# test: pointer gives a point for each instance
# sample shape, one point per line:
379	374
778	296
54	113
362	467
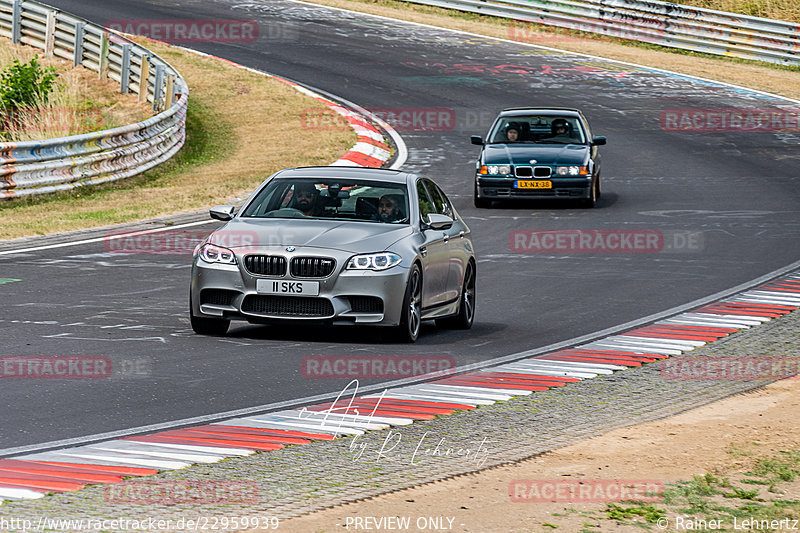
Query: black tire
594	194
480	203
466	305
599	188
411	319
216	327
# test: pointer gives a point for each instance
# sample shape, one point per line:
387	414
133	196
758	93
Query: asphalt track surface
734	193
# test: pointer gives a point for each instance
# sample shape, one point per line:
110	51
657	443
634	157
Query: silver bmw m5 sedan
339	245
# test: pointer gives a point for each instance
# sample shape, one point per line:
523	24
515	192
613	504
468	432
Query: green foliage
705	484
649	512
742	494
26	85
784	468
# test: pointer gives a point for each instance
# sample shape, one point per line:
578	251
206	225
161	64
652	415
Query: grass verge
773	9
80	101
240	128
755	493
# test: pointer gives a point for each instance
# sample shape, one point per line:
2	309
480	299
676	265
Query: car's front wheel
208	326
466	306
480	203
411	320
594	194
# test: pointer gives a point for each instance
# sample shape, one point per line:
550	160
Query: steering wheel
286	212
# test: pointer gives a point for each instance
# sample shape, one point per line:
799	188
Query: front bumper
499	188
345	296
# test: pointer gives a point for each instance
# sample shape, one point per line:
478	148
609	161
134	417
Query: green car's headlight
499	169
572	170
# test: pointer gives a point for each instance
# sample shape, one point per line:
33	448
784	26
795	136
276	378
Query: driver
388	211
305	198
560	128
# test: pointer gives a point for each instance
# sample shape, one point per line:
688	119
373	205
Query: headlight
572	171
217	254
499	169
380	261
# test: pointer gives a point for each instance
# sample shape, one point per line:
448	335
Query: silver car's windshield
542	129
331	198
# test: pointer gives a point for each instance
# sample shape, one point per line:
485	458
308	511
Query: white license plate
294	288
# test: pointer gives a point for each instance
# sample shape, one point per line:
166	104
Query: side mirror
439	222
222	212
477	139
599	141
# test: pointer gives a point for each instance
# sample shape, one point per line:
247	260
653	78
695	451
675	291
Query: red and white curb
370	149
67	469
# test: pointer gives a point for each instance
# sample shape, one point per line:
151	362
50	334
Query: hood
544	154
347	236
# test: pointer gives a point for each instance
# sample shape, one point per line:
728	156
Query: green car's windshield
331	198
544	129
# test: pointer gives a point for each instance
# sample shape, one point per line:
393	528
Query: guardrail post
170	92
104	55
157	89
50	34
16	21
125	72
77	55
144	79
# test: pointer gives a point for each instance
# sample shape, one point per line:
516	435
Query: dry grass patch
756	75
241	127
773	9
79	103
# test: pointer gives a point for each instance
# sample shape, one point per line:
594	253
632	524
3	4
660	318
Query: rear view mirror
477	139
599	141
439	222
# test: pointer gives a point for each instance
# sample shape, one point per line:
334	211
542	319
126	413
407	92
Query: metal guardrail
37	167
652	21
